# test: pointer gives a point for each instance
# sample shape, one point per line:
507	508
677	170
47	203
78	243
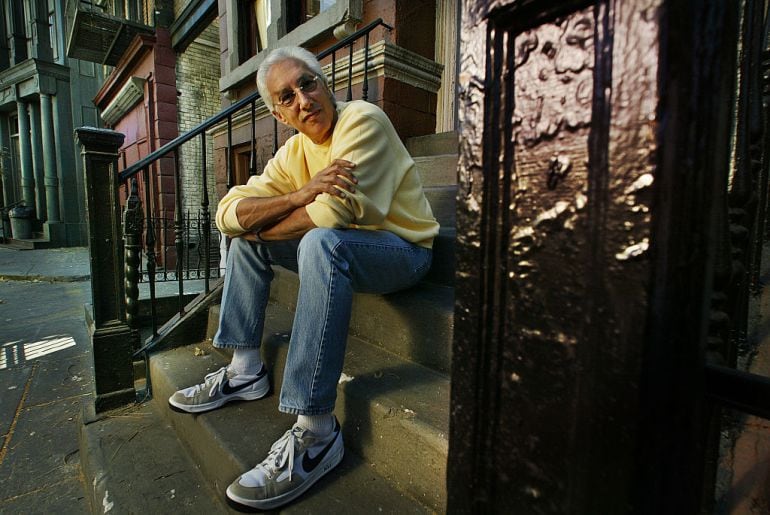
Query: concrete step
442	270
415	324
433	144
133	462
440	170
442	201
394	415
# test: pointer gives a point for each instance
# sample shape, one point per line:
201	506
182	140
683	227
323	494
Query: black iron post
110	334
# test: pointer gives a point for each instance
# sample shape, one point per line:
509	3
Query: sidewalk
52	265
46	378
45	375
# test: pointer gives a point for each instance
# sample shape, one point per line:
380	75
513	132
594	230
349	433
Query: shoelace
282	452
215	377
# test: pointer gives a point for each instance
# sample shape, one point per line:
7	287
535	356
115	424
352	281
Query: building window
300	12
52	29
254	20
134	10
256	25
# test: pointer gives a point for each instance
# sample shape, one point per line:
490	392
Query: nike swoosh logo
308	463
227	389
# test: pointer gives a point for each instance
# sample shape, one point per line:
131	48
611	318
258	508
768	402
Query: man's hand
335	179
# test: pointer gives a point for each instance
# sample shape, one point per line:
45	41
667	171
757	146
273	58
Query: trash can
21	222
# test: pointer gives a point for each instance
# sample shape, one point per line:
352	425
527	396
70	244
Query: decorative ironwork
133	226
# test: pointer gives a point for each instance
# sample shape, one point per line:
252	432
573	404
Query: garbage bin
21	222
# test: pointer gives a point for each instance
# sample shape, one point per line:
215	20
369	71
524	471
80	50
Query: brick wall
197	72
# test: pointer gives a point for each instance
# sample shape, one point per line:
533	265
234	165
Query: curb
46	278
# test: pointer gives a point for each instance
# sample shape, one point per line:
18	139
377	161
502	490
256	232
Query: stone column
25	149
447	17
111	339
5	163
49	158
37	160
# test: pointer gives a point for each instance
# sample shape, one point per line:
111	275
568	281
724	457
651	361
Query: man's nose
304	99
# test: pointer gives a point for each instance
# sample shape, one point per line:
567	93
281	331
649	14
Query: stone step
433	144
415	324
394	414
442	201
442	270
440	170
133	462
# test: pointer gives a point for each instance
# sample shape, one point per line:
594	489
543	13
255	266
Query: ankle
320	425
245	362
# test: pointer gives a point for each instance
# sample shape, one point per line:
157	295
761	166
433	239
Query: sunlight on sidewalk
19	352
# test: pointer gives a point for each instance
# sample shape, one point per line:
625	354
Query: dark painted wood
609	184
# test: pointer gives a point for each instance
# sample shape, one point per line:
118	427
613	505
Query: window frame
324	23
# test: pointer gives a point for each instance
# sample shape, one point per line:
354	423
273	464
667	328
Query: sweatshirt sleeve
367	138
275	180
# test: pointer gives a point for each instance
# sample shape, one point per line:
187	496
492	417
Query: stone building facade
44	95
197	73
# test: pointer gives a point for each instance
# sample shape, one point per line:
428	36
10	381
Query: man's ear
279	117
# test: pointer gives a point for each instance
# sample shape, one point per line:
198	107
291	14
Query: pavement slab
64	498
45	373
13	382
43	449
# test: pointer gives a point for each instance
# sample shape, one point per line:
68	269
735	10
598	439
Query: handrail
226	113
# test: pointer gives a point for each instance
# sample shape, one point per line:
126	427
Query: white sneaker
295	462
218	388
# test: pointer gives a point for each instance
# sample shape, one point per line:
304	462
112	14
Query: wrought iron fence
196	245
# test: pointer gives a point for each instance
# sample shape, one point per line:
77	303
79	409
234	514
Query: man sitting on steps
342	204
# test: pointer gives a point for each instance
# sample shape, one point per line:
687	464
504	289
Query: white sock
320	425
246	362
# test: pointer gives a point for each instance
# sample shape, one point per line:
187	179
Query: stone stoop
435	157
393	396
133	461
394	414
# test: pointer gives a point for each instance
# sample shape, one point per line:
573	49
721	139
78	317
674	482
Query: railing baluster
275	136
132	234
334	70
178	229
230	178
186	244
206	217
253	158
164	238
366	67
349	96
149	243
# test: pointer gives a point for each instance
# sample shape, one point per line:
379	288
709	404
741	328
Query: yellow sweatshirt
388	196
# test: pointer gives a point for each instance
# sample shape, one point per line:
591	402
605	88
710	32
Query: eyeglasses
305	85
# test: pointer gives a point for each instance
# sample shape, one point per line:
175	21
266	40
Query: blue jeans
332	264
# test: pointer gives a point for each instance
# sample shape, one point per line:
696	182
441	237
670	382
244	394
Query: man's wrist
258	236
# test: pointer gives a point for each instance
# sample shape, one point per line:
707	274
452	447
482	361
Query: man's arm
291	227
284	217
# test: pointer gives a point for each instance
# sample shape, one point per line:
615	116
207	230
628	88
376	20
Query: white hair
281	54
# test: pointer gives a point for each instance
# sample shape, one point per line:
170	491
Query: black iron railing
196	258
146	231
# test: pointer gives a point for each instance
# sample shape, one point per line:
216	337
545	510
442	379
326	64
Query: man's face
312	112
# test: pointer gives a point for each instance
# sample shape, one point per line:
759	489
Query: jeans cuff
226	345
300	411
